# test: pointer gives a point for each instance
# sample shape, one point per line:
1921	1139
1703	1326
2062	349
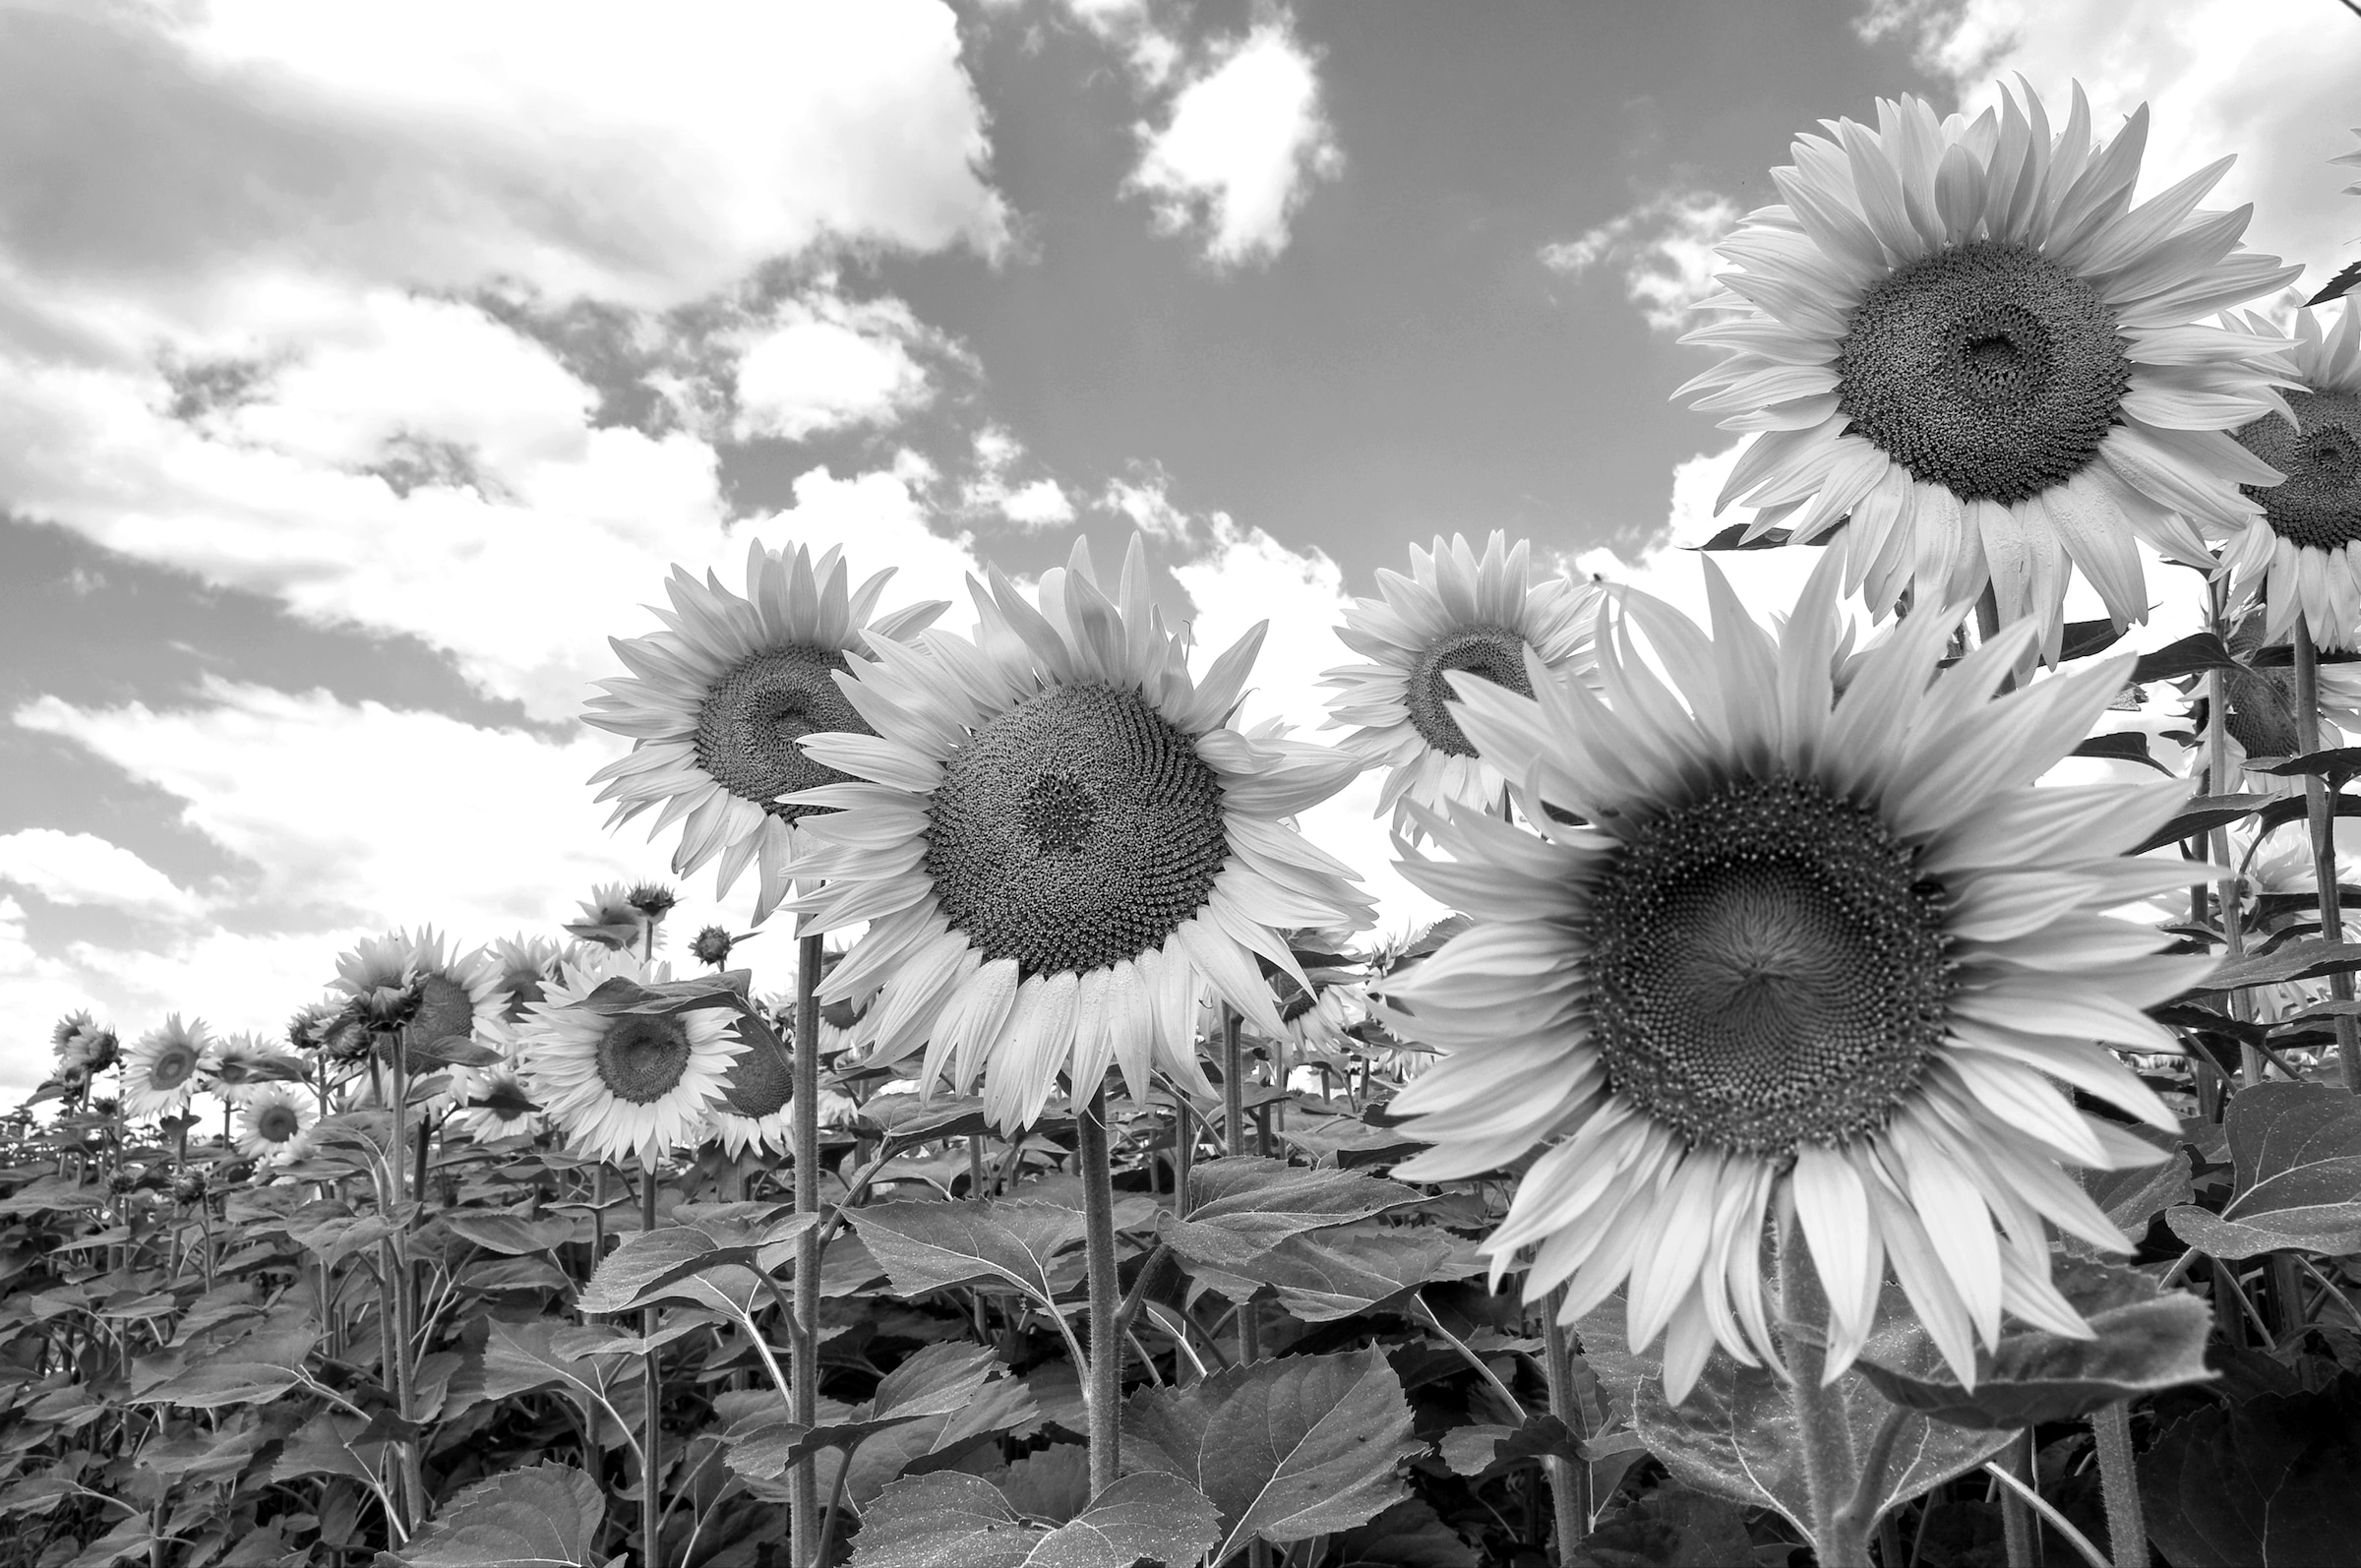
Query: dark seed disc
1985	368
754	715
1494	652
2319	507
642	1057
1073	830
1767	968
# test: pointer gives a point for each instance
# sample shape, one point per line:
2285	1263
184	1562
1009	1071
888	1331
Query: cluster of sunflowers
1763	939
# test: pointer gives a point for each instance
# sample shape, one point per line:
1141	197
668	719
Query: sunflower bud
712	945
189	1186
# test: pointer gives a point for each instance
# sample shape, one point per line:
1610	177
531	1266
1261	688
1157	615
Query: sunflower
521	966
2261	717
2301	554
497	1105
159	1072
380	979
237	1067
1828	951
610	919
1059	840
634	1084
1964	339
276	1125
83	1045
1453	612
717	701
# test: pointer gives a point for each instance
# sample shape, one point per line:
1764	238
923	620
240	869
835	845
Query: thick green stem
1569	1479
2021	1532
1831	1470
2127	1532
401	1286
2323	846
1104	1377
804	1332
652	1387
1234	1116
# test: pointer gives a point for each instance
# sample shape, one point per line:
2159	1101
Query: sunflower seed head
2318	506
1494	653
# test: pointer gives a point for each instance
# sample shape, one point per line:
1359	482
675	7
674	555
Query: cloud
166	166
83	869
993	493
1243	141
825	363
1663	250
2271	84
1143	495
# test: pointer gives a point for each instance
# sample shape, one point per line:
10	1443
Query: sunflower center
172	1067
754	715
761	1081
642	1057
1768	970
2320	505
1494	653
1075	829
1985	368
276	1123
444	1009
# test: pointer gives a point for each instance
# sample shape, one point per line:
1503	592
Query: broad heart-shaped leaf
939	1380
1287	1449
1672	1527
622	994
1243	1206
932	1245
2305	958
545	1517
510	1234
659	1265
549	1353
2143	1341
210	1385
1327	1275
451	1050
1735	1435
2295	1149
958	1521
2131	1198
2267	1483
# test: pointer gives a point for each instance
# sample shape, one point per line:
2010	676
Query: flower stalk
803	1343
1103	1378
2323	845
2119	1483
1569	1480
652	1391
1830	1468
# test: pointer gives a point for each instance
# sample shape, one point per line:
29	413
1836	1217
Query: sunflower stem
2021	1532
396	1284
1233	1088
2119	1481
1830	1468
652	1388
2220	782
1987	625
1104	1377
1569	1480
2323	846
804	1332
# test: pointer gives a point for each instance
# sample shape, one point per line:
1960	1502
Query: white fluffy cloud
1242	144
2271	84
995	492
83	869
1663	250
826	363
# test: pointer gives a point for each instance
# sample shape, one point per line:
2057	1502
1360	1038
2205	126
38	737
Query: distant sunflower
1837	953
159	1072
632	1087
497	1105
83	1045
521	967
752	1114
276	1126
1453	612
2303	555
1963	341
380	977
609	920
1058	841
235	1067
717	701
2261	717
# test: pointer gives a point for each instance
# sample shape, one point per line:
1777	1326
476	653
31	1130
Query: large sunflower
630	1086
1059	840
159	1071
1831	950
1962	337
2304	553
717	701
1453	612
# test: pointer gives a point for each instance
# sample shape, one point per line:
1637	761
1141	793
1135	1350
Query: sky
364	368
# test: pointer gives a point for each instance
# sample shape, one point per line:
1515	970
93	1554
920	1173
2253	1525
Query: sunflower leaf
2307	958
619	994
1324	1275
453	1050
2128	746
545	1517
2295	1149
1735	1435
510	1234
2143	1342
2200	816
664	1265
2337	288
2192	654
2267	1483
1241	1207
1286	1449
930	1245
2335	764
959	1521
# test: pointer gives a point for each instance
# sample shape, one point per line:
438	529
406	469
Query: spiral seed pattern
1985	368
640	1058
1494	653
754	715
2319	507
1075	829
1768	968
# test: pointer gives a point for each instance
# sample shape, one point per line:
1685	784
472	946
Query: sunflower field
1813	1139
